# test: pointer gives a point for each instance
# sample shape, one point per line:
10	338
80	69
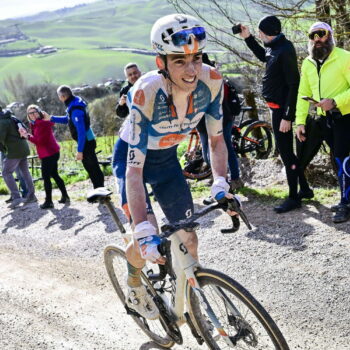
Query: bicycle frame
185	268
185	271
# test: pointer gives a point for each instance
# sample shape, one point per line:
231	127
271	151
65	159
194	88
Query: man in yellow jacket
325	77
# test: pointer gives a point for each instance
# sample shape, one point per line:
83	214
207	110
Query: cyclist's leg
135	262
163	171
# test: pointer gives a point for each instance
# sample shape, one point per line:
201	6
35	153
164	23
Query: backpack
231	102
71	125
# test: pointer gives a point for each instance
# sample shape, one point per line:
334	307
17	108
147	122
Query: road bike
250	139
218	310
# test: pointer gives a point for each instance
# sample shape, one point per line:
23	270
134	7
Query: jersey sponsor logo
135	157
214	74
139	97
188	213
170	140
183	248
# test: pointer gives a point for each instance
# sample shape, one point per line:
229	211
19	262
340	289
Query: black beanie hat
270	25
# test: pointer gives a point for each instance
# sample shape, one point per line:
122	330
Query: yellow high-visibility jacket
333	81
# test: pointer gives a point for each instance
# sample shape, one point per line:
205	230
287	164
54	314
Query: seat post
107	202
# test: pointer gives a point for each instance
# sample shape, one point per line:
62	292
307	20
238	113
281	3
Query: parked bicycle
250	138
217	309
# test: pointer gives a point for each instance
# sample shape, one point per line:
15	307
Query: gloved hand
220	185
146	235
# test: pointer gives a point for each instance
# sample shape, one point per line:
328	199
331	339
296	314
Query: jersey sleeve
214	114
140	122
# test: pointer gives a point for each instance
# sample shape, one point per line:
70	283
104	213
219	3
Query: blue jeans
232	157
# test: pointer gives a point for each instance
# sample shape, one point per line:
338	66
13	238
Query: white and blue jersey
154	125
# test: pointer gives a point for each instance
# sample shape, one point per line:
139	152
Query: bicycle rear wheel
256	141
243	318
116	265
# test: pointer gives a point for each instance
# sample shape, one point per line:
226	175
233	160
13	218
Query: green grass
72	66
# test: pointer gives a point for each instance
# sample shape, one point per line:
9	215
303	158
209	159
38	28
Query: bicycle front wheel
116	265
243	318
256	141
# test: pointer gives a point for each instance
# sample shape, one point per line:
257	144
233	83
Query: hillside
82	37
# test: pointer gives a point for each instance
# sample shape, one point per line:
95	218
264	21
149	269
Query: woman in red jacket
48	151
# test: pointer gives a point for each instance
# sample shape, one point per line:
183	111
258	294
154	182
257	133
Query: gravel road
55	293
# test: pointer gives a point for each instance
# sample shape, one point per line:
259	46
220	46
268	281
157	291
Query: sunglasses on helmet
182	37
318	34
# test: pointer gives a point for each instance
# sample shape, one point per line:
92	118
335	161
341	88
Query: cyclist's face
132	74
184	70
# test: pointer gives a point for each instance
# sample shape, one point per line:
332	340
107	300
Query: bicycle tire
118	280
193	168
256	330
253	146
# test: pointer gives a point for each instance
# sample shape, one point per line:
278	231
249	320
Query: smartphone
236	29
309	99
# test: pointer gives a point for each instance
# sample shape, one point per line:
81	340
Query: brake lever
233	205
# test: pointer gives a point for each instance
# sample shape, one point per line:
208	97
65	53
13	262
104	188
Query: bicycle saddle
97	194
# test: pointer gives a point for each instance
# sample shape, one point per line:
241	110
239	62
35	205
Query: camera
236	29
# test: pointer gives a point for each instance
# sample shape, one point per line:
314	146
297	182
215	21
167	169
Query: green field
80	36
73	66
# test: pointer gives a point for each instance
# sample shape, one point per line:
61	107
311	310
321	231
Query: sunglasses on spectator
317	34
182	37
32	112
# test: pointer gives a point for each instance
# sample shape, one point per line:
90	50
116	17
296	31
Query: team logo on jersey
170	140
139	97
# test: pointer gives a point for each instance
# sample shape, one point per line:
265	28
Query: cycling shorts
163	172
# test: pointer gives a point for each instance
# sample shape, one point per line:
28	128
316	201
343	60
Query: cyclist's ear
160	63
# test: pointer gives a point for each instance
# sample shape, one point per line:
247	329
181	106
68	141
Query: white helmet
178	34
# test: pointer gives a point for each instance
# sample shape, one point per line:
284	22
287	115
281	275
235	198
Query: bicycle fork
186	269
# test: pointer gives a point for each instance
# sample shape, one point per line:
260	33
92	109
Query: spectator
16	150
48	151
326	78
132	73
78	120
280	88
23	187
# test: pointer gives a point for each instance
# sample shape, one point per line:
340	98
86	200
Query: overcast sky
20	8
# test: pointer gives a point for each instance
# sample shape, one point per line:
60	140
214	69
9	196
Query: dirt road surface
55	293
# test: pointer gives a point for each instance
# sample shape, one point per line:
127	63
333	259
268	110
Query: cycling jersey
156	126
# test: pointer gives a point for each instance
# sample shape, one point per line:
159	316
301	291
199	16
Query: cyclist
166	105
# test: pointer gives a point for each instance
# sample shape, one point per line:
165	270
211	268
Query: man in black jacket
132	73
279	89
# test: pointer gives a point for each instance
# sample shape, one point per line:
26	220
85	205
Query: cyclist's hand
300	132
220	185
285	125
148	240
227	201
